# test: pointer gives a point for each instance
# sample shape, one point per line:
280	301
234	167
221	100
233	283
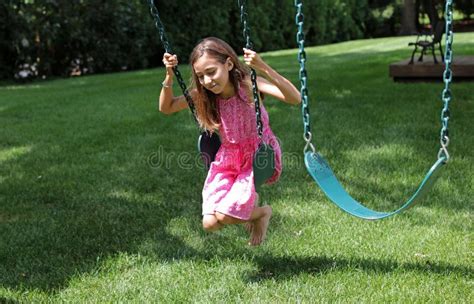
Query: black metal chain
167	46
253	74
447	77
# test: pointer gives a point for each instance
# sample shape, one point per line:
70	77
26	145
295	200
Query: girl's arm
273	83
168	103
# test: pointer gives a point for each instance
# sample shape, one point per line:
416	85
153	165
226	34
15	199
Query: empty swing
319	168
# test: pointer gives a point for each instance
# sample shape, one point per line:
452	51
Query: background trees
43	38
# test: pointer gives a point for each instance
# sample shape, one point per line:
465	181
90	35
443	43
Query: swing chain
244	21
253	75
303	75
307	137
167	46
447	77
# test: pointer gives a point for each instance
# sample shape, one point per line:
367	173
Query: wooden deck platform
462	67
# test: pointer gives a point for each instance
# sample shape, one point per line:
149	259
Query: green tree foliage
12	28
466	7
88	36
62	38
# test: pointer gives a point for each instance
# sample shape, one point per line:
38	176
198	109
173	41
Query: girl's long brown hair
205	100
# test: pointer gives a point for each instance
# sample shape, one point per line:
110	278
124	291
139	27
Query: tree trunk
408	26
429	6
417	13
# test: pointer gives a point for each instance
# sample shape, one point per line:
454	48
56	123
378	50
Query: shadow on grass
283	268
66	207
4	300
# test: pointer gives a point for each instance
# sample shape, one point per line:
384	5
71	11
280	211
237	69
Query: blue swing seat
319	169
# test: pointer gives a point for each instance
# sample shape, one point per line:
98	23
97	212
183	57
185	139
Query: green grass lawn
100	194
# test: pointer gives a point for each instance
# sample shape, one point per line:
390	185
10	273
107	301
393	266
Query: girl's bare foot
260	227
248	227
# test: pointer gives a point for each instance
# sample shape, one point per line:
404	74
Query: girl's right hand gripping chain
170	61
168	103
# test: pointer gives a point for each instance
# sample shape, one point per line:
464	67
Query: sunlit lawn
100	194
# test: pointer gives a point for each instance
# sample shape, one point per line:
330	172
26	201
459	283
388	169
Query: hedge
62	38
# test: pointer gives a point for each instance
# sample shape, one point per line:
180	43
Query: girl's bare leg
249	225
259	218
257	224
210	223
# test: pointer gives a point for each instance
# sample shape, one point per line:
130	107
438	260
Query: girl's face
214	75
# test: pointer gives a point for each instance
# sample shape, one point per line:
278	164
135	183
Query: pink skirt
229	187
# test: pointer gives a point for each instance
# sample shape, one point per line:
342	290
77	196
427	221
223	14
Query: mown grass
100	194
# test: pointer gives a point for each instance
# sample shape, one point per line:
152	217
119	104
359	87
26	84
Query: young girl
223	99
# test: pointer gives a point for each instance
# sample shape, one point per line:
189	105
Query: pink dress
229	187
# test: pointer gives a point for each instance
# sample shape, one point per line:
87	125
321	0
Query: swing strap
318	167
